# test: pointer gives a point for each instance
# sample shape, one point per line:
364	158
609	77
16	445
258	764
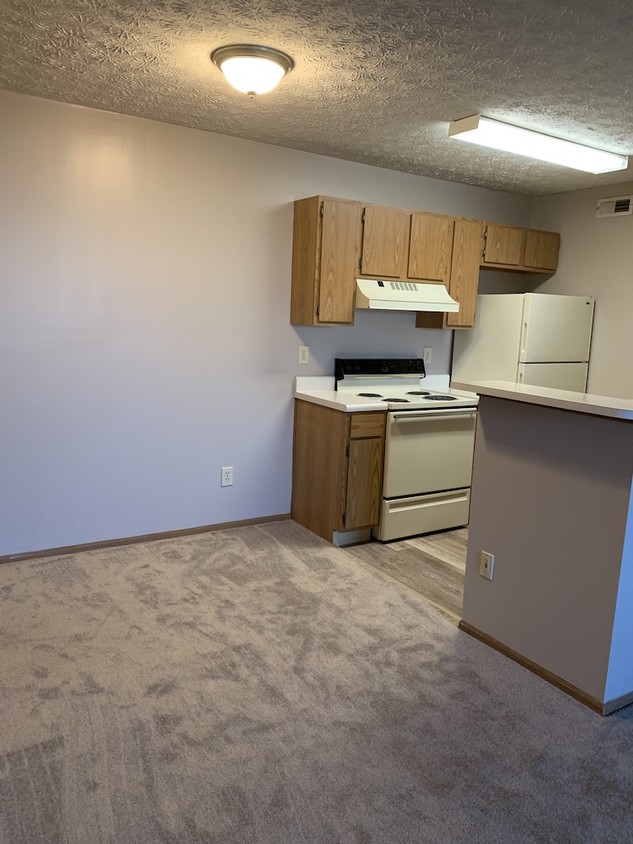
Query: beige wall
144	331
551	501
596	259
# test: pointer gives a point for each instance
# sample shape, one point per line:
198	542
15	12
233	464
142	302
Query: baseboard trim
134	540
535	668
617	703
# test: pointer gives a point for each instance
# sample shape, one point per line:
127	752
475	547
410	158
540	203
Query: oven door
428	451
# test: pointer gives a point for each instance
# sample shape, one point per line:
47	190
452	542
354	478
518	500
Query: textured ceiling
375	81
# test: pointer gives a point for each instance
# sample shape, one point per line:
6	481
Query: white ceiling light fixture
251	68
504	136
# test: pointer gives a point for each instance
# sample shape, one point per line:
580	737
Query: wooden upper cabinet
336	240
541	250
338	261
385	246
430	247
503	245
325	255
526	250
463	279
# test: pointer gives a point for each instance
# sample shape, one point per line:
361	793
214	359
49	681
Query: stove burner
441	398
371	395
406	401
418	393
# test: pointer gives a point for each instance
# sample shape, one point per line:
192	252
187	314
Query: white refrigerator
532	338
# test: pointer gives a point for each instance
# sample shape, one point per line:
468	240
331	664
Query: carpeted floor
258	685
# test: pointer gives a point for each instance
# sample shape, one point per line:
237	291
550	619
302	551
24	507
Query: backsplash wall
144	328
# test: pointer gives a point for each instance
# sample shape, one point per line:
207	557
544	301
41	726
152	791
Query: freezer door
556	328
560	376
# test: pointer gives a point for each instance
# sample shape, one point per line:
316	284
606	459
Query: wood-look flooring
431	565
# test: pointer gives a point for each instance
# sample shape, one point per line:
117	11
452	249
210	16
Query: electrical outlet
428	354
227	476
486	565
304	354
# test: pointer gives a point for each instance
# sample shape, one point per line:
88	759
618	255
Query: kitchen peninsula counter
551	500
548	397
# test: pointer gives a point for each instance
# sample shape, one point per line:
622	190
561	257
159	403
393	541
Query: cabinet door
338	260
385	242
464	278
504	245
541	250
364	483
430	247
319	467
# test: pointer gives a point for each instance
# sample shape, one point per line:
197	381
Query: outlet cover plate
486	565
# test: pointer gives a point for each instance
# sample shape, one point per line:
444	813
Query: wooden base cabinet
337	469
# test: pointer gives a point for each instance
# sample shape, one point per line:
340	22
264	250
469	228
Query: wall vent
614	206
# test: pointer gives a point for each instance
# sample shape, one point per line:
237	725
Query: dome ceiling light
251	68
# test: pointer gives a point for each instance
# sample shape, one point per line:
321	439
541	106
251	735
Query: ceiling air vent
614	206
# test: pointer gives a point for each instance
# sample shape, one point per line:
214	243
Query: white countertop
549	397
319	389
340	401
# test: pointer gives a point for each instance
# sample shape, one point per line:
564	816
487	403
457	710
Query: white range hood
381	294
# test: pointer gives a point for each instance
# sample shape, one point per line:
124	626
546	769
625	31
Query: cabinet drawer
423	514
367	425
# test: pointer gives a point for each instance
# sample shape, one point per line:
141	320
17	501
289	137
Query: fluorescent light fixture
491	133
251	68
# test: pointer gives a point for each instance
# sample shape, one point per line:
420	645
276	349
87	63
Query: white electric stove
429	444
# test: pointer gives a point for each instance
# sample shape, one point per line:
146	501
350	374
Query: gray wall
596	259
551	500
144	331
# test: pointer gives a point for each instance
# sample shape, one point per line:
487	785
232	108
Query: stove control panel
364	367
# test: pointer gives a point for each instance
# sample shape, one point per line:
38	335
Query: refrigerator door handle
523	341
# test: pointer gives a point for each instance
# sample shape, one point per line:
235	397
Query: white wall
144	331
596	259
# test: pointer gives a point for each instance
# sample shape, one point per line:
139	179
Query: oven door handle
449	413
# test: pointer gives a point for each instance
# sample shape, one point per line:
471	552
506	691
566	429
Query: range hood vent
387	295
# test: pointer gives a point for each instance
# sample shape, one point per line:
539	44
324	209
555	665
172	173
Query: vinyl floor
431	565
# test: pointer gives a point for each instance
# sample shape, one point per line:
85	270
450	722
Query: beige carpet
259	685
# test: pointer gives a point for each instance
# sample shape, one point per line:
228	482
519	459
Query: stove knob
384	366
